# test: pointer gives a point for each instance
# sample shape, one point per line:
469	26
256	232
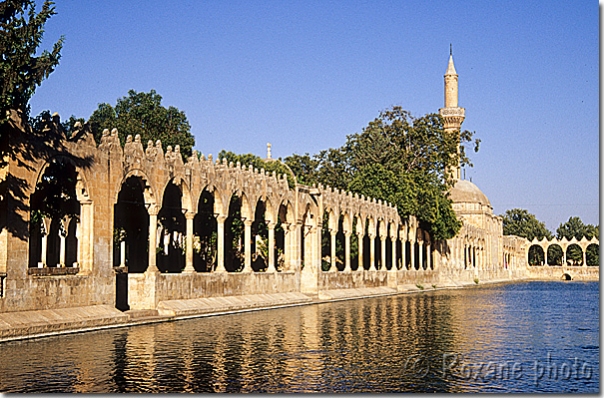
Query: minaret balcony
459	112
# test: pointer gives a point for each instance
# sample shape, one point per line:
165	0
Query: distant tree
400	159
143	113
575	228
520	222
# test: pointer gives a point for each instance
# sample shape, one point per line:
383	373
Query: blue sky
304	74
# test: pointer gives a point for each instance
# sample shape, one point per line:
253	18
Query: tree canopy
143	113
397	158
520	222
574	227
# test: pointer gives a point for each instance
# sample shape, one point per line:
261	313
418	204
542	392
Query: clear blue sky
304	74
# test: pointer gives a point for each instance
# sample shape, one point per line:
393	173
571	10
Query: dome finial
450	49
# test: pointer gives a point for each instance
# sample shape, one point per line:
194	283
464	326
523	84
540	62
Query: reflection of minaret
452	114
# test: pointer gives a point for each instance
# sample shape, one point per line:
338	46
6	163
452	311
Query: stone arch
567	277
592	254
555	254
131	223
172	229
535	255
205	232
259	244
574	254
233	236
60	207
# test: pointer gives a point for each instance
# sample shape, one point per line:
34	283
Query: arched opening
53	206
366	247
354	246
592	255
325	243
233	237
536	255
388	264
554	255
131	227
171	231
340	245
408	254
281	233
416	249
259	244
205	234
377	244
567	277
574	255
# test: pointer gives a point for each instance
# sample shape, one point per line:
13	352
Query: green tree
23	139
521	223
143	113
400	159
575	228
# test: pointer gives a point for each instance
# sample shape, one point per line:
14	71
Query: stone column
584	257
412	254
403	254
372	252
383	250
152	239
123	253
545	256
271	247
421	254
428	256
360	256
247	245
333	267
347	267
190	216
393	266
220	219
62	233
42	262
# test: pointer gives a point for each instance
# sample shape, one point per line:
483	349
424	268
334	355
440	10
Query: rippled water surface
525	337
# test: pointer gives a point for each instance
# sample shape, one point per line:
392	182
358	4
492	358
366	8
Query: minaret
452	114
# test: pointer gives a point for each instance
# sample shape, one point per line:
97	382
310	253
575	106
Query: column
360	256
220	219
545	255
190	216
123	253
393	267
42	262
333	267
403	254
428	256
271	247
383	250
247	245
152	239
62	234
412	254
584	257
372	251
421	254
347	267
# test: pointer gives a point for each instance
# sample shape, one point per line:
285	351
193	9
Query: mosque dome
465	191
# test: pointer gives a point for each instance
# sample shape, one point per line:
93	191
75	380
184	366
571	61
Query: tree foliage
21	71
575	228
520	222
143	113
397	158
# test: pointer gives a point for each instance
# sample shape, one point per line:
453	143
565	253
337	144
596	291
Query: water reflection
432	342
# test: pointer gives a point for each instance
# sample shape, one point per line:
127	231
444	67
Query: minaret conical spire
453	116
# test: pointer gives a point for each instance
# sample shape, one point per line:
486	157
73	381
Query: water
525	337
